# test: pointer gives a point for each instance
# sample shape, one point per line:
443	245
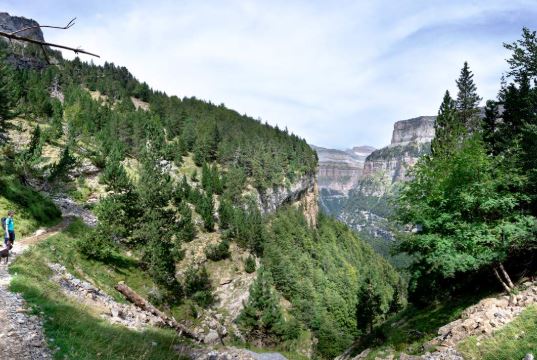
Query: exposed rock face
419	130
22	59
340	170
298	193
356	184
10	23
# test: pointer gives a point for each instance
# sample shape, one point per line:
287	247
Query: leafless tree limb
69	24
42	44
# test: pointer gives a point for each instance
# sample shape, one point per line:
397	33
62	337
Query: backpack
4	221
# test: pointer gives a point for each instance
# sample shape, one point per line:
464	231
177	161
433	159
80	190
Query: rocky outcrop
228	353
20	57
300	192
410	140
10	24
340	170
124	314
366	206
417	130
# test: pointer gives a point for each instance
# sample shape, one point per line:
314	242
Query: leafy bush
216	252
249	264
29	201
96	244
198	286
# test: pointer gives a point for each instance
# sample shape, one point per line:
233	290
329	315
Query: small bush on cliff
220	251
198	286
249	264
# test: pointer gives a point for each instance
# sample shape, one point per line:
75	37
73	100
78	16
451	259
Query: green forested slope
170	172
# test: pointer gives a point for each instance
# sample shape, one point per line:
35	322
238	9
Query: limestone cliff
338	172
362	202
302	192
10	23
23	55
410	139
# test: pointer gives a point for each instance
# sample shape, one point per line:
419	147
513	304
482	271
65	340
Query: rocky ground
481	320
21	334
124	314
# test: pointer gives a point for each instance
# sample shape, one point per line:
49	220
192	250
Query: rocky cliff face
20	55
302	193
357	190
339	172
418	130
10	23
410	140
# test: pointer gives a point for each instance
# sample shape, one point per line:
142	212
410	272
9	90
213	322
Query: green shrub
198	286
249	264
216	252
96	244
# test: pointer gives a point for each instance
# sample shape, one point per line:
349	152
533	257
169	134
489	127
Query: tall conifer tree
446	126
467	99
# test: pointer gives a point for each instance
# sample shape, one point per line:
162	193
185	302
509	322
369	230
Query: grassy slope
74	330
409	330
513	341
31	209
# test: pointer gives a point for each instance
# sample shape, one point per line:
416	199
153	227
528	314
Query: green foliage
96	244
262	316
76	332
205	207
467	99
216	252
464	212
186	231
66	163
6	92
249	264
472	202
320	271
198	286
447	127
244	224
25	163
56	123
368	306
28	203
161	267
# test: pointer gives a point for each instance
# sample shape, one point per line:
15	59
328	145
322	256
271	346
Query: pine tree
368	307
35	146
66	163
490	126
56	124
262	315
114	175
5	92
446	127
187	231
467	99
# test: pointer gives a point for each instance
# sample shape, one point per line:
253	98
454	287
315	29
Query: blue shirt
10	224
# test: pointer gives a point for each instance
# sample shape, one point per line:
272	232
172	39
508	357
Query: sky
337	73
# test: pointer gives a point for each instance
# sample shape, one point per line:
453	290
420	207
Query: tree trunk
506	275
501	281
143	304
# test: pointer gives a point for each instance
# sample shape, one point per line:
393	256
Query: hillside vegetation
177	186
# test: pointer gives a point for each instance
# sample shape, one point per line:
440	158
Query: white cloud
338	73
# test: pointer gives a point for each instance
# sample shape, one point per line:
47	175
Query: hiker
8	225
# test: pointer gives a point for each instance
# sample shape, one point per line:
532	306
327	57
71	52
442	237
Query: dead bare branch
44	43
69	24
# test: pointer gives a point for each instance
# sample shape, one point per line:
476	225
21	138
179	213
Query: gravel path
21	334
